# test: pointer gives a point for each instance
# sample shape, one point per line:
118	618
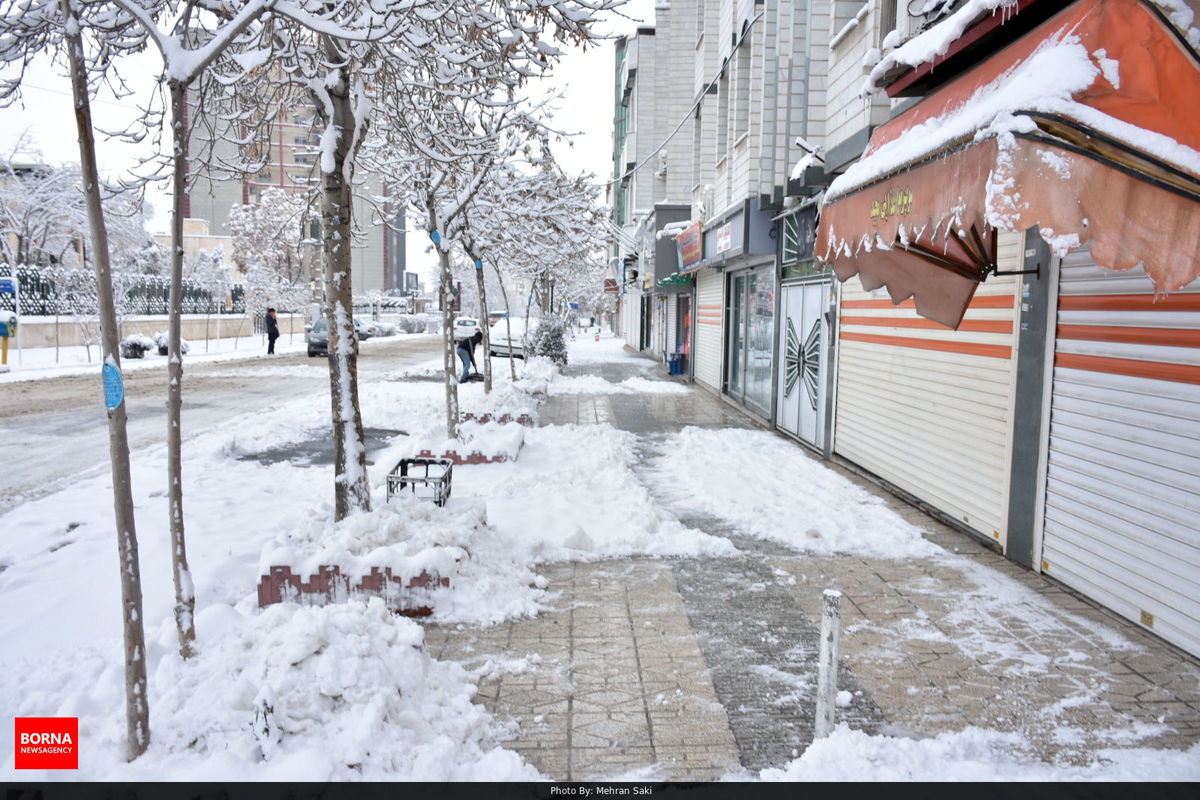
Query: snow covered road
53	430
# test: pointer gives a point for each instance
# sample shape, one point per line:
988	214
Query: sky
45	117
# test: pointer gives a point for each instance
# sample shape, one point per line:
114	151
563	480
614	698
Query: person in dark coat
466	354
272	331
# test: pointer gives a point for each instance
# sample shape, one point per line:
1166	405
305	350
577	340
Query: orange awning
1112	164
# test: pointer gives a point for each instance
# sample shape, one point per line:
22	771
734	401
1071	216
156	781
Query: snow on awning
1085	127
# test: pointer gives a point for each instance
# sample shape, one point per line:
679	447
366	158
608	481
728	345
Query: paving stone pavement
687	669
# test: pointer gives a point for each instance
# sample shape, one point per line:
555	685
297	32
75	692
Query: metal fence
50	291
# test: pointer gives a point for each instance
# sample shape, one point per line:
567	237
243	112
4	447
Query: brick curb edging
329	585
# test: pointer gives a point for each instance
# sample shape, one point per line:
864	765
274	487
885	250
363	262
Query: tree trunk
352	490
137	703
449	345
185	598
512	362
484	326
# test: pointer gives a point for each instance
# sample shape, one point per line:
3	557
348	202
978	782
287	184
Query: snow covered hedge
550	340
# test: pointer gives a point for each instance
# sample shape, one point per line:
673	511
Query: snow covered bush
162	342
550	340
135	345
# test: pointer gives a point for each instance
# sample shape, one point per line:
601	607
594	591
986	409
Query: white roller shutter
633	320
710	315
1122	517
927	408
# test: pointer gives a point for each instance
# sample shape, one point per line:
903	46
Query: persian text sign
691	247
46	743
895	203
725	237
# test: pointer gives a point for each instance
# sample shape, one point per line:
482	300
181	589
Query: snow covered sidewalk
957	665
634	597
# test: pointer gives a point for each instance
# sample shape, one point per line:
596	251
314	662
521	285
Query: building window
887	18
723	115
742	109
797	240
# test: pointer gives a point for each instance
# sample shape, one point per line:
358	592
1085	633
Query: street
38	416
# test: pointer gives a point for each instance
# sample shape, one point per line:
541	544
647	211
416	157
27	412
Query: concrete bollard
827	660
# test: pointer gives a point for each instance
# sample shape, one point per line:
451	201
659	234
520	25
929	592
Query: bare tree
269	233
59	26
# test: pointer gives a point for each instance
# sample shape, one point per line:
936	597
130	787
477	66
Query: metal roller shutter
710	304
927	408
1122	514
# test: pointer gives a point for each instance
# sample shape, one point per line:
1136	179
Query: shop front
807	299
750	336
740	251
1017	343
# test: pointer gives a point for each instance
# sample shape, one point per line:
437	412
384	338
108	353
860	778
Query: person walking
466	354
272	331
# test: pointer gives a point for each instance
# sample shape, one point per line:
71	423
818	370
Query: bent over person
466	354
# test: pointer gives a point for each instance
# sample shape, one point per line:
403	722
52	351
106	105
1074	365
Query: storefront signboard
691	248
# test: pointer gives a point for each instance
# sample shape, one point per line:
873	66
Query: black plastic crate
428	478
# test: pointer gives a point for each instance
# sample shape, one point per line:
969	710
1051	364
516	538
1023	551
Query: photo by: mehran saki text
599	790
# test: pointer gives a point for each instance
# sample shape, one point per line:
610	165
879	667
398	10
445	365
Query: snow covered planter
398	553
135	345
162	342
480	443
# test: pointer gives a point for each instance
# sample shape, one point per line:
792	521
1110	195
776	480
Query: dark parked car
318	339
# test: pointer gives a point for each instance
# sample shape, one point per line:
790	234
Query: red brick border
469	458
483	419
329	585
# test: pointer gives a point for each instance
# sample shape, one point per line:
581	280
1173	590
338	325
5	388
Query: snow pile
972	754
1182	17
491	439
334	693
536	377
573	495
781	493
672	229
594	384
407	534
807	160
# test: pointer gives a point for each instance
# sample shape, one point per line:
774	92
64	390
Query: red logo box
46	742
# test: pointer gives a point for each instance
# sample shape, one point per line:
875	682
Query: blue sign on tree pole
114	386
8	285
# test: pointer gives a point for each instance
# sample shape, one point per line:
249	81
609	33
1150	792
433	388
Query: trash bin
675	364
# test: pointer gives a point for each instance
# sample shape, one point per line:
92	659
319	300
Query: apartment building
290	156
651	165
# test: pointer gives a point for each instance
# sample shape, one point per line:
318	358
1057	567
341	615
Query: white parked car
465	328
502	344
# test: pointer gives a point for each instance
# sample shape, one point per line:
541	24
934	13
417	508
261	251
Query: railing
50	291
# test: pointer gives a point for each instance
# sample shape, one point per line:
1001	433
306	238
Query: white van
498	335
